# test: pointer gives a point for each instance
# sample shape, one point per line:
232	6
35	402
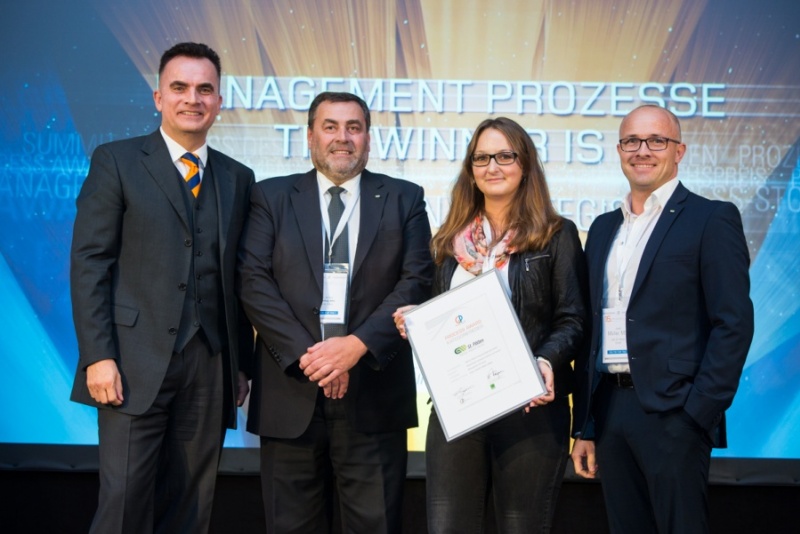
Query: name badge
336	284
615	343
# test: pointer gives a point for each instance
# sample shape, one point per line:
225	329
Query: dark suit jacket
129	257
281	268
689	319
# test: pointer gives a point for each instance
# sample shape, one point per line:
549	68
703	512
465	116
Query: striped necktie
193	175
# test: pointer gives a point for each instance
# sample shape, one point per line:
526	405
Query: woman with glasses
501	217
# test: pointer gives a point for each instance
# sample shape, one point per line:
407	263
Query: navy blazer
280	284
689	318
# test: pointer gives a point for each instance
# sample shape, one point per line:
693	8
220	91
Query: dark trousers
158	469
653	466
518	460
299	476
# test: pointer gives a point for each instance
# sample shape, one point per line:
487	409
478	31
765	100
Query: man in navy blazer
332	402
672	322
163	342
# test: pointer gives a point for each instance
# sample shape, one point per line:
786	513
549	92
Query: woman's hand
400	319
549	377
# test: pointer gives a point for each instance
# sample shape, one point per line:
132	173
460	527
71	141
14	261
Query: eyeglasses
502	158
632	144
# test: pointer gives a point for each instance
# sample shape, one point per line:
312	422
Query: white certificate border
520	353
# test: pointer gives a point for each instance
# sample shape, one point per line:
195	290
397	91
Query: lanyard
626	252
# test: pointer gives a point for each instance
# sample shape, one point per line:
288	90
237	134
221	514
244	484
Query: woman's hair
531	216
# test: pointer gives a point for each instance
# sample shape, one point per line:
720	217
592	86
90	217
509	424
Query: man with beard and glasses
326	257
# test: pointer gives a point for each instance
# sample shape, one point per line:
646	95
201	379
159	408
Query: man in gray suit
334	390
163	345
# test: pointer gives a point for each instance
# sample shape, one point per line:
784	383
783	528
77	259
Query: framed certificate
473	355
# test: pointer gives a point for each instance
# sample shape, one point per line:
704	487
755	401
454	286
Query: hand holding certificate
473	355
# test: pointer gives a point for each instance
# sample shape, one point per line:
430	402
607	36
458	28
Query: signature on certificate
494	374
462	393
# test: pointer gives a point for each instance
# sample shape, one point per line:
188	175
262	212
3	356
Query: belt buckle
623	380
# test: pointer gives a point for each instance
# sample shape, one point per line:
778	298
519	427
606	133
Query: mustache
343	146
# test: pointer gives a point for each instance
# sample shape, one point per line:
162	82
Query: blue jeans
519	461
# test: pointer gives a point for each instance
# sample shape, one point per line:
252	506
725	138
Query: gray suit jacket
281	268
129	255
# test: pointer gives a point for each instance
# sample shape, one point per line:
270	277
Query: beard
338	171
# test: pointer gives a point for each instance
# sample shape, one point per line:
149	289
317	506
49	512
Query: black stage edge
53	489
63	502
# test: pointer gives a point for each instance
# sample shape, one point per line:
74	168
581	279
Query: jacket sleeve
95	248
378	331
568	288
725	279
262	300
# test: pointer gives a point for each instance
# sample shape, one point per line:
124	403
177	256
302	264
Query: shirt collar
351	185
176	151
657	199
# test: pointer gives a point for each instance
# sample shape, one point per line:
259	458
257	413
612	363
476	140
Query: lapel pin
377	196
672	211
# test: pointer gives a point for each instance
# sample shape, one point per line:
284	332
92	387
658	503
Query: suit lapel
373	199
668	216
601	258
225	189
305	204
162	170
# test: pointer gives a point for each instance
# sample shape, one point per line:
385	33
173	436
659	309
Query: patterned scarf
471	249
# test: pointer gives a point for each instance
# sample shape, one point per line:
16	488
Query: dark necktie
340	252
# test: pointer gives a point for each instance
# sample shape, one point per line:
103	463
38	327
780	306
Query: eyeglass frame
646	142
494	157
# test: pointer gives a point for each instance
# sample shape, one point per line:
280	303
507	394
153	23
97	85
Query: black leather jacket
548	289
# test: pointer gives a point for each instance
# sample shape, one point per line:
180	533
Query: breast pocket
535	279
536	262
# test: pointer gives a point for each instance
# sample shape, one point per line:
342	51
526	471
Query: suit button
182	286
196	323
199	230
315	311
173	331
199	253
187	242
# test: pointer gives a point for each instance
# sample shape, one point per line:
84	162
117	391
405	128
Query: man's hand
105	382
583	458
242	389
328	359
336	388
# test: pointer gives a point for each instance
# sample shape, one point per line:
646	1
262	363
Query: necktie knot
192	177
336	206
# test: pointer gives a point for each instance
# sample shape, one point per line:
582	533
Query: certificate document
473	355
